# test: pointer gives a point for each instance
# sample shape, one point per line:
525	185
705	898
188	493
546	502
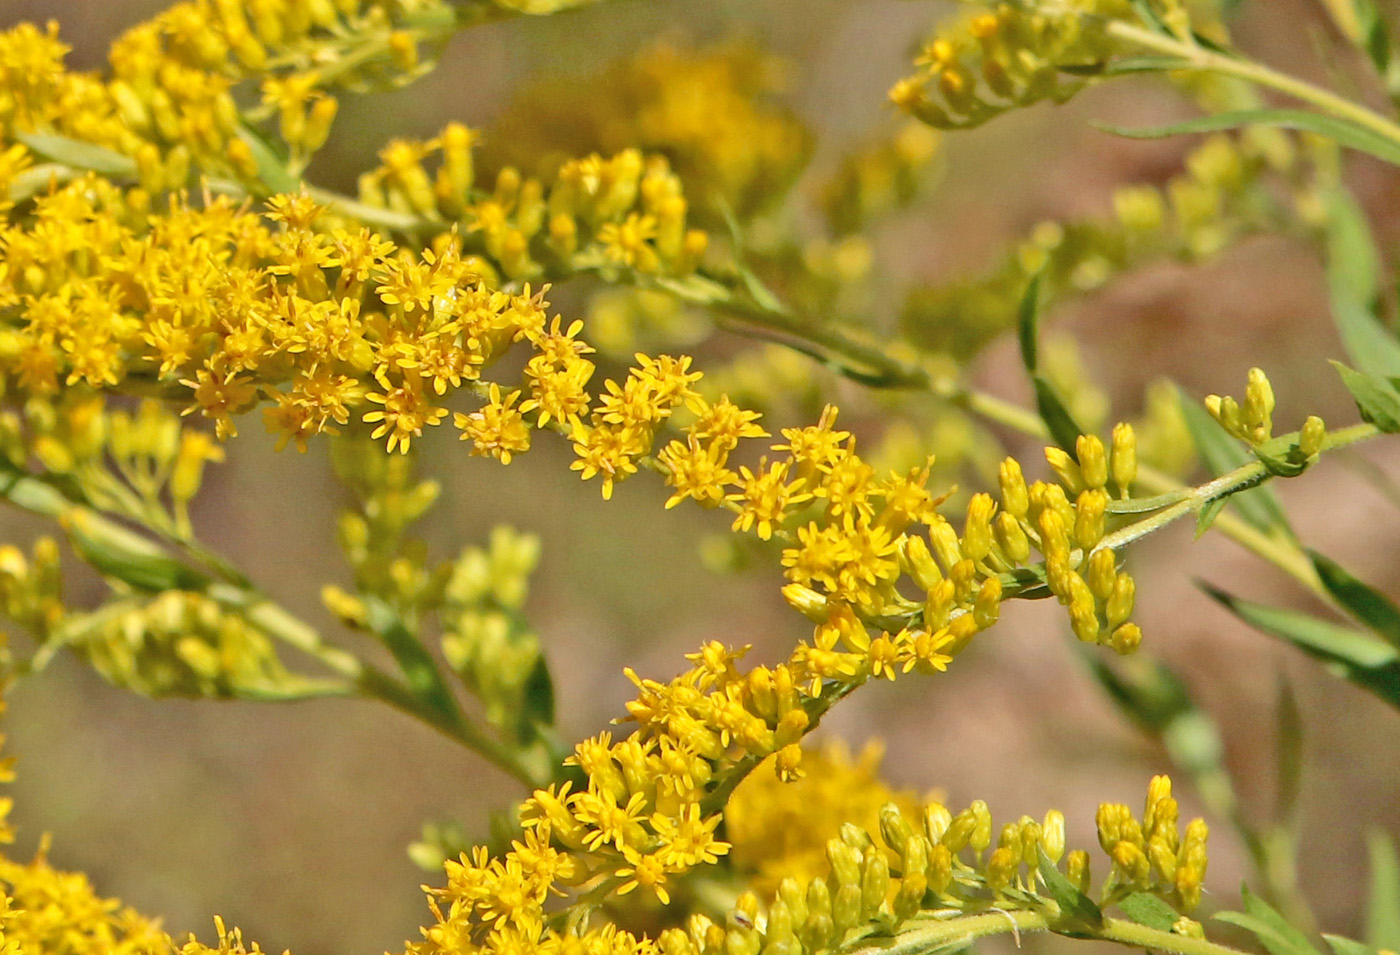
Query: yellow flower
406	412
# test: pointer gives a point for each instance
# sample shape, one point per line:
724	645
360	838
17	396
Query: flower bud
1077	870
1120	603
894	828
1065	469
1102	573
1012	539
1126	638
1131	862
940	869
937	819
1123	462
916	560
1013	489
1052	835
1312	435
1089	513
988	605
844	861
1093	462
1259	406
977	532
875	883
1002	867
794	900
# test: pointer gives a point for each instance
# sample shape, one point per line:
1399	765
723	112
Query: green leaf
1359	599
114	551
1149	910
1266	924
1078	913
1377	401
81	155
1339	131
1360	658
416	663
1060	423
538	709
1368	343
1383	899
1221	453
1347	946
1375	35
1028	321
272	165
1353	264
1206	516
1149	16
1147	64
1295	942
1281	456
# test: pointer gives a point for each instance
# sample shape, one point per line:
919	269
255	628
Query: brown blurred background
292	821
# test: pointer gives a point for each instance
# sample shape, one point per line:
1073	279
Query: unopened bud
1123	462
1093	462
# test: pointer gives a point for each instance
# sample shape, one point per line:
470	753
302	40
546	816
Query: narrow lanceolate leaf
1378	402
1149	910
1272	929
1359	599
1078	913
1353	279
78	154
1063	429
1028	322
1220	453
1360	658
1206	516
1339	131
417	664
1353	263
1383	899
1348	946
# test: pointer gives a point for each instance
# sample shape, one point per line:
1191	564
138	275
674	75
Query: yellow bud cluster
181	643
879	179
1007	56
31	588
169	103
1152	855
1251	421
1224	193
485	638
624	211
912	862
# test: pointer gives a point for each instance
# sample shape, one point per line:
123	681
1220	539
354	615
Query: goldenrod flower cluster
624	211
711	111
170	103
779	829
1009	55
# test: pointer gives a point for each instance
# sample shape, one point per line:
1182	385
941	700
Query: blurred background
293	821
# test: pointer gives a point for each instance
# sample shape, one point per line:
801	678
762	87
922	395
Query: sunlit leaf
1339	131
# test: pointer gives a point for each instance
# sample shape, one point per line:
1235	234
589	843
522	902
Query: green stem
1140	936
1240	479
1257	73
959	931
